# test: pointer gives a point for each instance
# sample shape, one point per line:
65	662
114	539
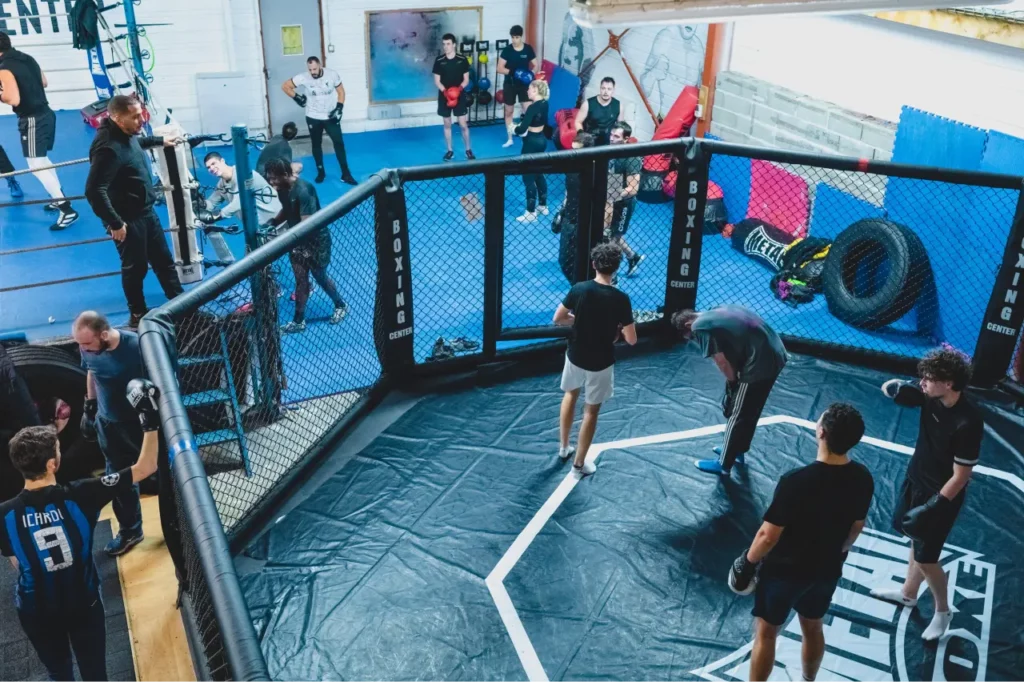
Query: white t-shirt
321	93
267	203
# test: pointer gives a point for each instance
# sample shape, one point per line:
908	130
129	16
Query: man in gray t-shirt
750	355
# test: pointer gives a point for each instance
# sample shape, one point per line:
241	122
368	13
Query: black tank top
601	118
30	82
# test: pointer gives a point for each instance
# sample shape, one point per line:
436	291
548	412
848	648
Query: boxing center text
1010	299
686	255
400	280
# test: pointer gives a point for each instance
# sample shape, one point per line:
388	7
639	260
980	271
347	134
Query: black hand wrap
918	520
300	99
337	112
88	424
742	575
143	395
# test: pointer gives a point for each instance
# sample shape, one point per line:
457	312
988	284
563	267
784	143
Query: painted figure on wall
676	60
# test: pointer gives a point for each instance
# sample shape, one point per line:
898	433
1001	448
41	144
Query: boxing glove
300	99
143	395
729	399
87	427
337	112
917	520
743	575
903	392
207	217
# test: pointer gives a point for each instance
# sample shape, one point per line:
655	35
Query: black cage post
687	228
494	247
393	309
1001	326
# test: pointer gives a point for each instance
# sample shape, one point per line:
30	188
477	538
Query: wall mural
662	59
404	43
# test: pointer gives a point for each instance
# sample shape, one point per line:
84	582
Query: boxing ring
381	499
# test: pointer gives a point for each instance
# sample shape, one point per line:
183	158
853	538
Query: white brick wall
203	36
876	67
749	110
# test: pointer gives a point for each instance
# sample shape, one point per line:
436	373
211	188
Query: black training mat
382	573
18	660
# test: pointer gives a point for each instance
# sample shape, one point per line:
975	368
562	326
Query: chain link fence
269	367
858	260
446	253
638	216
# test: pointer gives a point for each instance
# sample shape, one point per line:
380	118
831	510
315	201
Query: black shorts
776	597
38	133
940	523
622	214
444	111
515	91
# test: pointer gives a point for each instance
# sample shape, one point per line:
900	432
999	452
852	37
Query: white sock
47	177
895	595
566	452
937	628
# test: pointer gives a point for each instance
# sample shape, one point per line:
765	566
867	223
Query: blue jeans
55	635
121	443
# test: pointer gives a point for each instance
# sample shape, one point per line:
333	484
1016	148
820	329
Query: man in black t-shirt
565	223
451	76
299	201
750	355
515	60
599	315
623	185
47	531
815	516
948	446
23	86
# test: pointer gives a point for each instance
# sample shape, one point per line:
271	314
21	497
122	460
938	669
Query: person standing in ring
120	190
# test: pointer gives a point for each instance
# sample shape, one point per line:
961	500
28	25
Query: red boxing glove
452	95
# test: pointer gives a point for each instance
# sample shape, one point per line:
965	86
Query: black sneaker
122	544
320	176
449	156
469	155
67	216
634	263
53	206
134	319
348	179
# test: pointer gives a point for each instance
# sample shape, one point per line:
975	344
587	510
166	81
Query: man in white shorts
599	315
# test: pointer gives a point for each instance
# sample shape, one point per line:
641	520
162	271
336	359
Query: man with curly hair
948	445
599	315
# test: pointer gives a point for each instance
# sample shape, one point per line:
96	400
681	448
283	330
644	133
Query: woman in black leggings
531	129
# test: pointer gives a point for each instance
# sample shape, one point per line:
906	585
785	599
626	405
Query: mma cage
441	279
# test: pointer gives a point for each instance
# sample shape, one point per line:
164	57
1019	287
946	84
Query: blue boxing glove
743	575
917	520
337	112
87	427
143	395
905	393
300	99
